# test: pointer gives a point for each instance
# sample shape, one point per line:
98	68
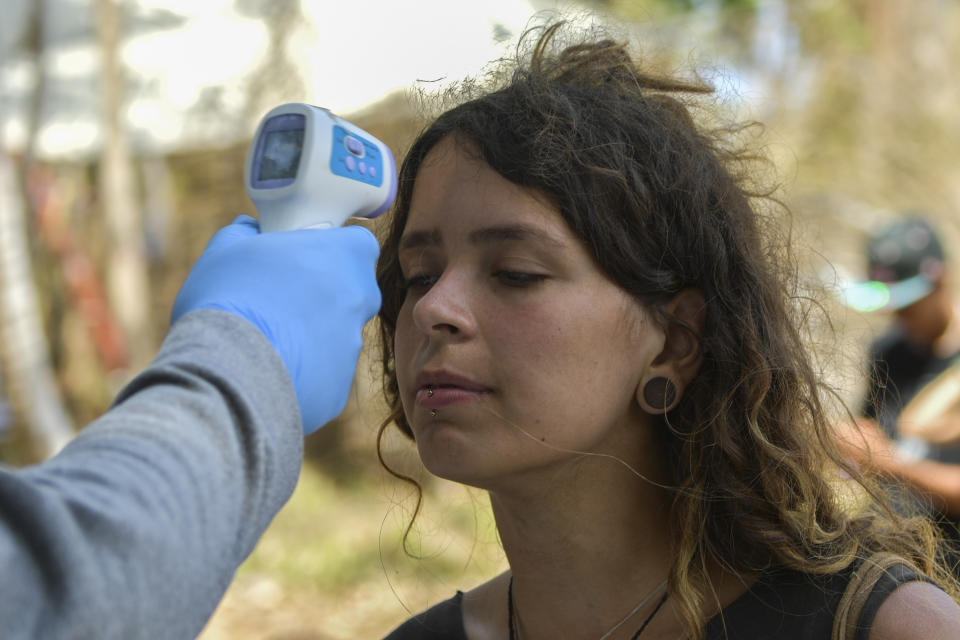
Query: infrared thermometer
307	168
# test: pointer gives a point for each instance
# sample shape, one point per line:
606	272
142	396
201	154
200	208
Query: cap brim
887	296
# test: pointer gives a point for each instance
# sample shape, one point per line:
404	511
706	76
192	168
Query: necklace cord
633	611
650	617
511	618
514	627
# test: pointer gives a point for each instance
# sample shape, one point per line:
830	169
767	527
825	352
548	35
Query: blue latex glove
309	291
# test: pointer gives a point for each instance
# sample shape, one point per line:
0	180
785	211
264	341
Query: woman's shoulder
888	597
792	605
918	610
442	621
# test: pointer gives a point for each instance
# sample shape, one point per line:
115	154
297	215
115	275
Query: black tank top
783	605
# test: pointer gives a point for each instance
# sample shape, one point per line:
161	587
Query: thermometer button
354	146
350	162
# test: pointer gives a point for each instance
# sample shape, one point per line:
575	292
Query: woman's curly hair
662	204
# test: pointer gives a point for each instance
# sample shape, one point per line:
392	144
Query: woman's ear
679	361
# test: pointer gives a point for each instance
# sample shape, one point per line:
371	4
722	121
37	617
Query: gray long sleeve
136	528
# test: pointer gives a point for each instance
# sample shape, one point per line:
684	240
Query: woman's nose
444	309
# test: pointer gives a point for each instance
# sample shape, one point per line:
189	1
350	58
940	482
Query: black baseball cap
905	260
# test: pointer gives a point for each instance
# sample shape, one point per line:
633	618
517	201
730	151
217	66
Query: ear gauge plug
660	393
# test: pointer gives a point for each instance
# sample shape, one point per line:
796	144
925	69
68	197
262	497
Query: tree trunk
127	276
34	394
30	381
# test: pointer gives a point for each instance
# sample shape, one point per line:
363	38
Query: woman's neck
585	548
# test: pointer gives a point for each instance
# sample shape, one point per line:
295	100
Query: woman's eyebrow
513	232
419	240
487	235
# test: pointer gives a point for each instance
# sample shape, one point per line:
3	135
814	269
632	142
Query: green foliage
631	10
828	27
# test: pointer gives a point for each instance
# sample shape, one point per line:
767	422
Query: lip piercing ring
433	413
429	392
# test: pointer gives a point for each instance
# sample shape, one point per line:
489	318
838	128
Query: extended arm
866	443
136	528
934	413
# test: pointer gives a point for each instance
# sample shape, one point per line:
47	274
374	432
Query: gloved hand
309	291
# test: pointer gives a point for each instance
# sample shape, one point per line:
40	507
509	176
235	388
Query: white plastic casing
308	168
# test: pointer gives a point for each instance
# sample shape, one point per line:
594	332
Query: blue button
350	162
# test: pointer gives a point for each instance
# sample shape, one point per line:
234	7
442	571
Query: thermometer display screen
281	154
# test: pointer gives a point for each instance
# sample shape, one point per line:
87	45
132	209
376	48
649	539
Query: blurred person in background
135	529
583	314
909	279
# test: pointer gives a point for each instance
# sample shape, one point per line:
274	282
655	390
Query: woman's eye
420	282
519	278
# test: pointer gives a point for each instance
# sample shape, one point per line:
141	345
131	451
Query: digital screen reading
281	154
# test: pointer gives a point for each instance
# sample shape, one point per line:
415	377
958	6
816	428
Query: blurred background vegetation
123	131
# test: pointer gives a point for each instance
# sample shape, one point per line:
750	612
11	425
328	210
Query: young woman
581	316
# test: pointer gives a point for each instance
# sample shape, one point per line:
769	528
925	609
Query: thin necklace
515	629
650	617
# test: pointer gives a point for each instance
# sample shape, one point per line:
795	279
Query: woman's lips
431	397
437	389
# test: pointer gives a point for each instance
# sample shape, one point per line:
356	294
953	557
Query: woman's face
512	349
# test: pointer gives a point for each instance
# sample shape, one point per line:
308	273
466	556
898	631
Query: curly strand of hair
407	479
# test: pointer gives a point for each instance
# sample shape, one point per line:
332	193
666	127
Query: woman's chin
446	454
